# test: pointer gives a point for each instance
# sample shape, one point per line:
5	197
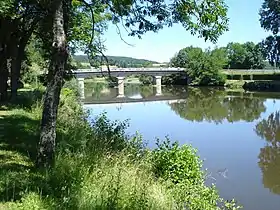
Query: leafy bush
177	164
29	201
182	169
175	79
146	79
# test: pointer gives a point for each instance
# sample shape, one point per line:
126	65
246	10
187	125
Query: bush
29	201
175	79
181	167
177	164
146	79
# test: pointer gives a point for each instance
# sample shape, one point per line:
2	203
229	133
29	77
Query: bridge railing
130	69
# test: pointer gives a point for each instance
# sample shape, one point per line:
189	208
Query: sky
244	26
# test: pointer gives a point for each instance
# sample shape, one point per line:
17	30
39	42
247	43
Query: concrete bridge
121	73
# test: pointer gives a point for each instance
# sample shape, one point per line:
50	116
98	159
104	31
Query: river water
237	134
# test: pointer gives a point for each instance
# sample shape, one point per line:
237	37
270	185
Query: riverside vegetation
97	165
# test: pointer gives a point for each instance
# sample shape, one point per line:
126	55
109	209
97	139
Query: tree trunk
3	81
17	58
46	147
14	80
4	36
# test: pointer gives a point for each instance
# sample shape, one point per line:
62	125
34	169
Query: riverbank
251	85
97	167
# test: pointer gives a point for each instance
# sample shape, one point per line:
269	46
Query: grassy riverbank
97	167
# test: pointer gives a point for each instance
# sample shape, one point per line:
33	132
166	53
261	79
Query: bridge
121	73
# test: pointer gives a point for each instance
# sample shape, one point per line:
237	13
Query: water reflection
101	92
214	105
269	157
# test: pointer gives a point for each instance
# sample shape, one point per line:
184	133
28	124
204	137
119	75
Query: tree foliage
269	16
270	21
245	56
271	50
233	56
202	67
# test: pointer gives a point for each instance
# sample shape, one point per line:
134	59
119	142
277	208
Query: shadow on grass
25	99
18	141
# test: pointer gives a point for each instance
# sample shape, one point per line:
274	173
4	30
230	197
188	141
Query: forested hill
120	61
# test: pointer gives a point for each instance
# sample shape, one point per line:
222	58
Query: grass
97	167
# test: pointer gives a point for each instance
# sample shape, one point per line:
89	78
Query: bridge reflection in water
101	94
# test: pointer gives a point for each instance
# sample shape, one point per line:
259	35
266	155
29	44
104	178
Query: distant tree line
120	61
235	55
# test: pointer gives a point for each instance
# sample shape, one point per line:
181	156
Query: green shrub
175	79
181	167
30	201
177	163
146	79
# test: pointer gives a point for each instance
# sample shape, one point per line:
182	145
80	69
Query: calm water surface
237	134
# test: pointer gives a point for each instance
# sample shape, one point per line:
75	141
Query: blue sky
243	26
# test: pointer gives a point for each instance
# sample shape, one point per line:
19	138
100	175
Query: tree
270	21
183	57
271	50
254	56
270	16
206	18
245	56
236	55
19	18
202	67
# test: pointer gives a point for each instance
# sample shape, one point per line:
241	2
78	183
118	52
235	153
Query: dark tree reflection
214	105
269	157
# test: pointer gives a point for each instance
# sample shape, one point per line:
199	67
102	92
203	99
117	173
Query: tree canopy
269	16
270	21
234	56
245	56
202	67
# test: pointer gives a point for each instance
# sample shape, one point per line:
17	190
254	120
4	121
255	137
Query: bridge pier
120	87
157	82
81	82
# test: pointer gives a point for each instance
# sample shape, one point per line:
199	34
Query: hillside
120	61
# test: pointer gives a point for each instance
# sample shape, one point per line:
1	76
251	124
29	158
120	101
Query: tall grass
99	167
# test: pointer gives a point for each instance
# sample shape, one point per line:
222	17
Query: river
237	134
